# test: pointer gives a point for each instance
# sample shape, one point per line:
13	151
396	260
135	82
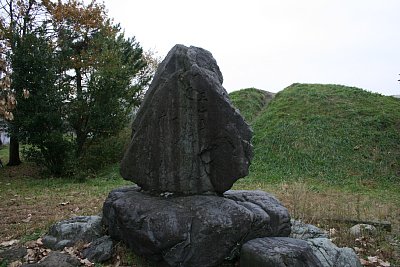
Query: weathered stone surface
328	253
199	230
99	250
187	137
332	256
58	259
66	233
305	231
278	252
13	254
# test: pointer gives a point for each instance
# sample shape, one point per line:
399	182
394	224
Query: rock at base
278	252
305	231
58	259
195	230
66	233
100	250
332	256
187	137
328	253
13	254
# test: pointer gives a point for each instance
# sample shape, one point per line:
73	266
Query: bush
54	153
57	156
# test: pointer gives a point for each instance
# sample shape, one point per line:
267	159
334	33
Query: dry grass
331	208
313	203
29	204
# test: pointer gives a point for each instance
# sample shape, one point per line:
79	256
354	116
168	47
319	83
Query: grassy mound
336	133
250	102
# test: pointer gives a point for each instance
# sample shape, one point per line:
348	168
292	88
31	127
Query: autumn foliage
7	98
95	79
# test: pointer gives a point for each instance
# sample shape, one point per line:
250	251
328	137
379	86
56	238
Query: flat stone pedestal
198	230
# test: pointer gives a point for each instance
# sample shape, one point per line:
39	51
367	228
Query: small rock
50	242
305	231
362	229
58	259
332	256
66	233
13	254
277	251
328	253
99	250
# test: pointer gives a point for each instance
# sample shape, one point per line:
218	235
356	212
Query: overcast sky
271	44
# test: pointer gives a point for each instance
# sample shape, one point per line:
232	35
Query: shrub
54	153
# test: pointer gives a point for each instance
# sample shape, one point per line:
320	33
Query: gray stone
278	252
13	254
198	230
66	233
305	231
187	137
362	229
328	253
332	256
99	250
58	259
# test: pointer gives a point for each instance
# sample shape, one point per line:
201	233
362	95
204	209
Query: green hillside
250	102
336	133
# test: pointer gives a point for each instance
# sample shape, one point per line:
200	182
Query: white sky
270	44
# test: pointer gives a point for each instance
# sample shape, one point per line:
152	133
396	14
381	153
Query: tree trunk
79	124
14	158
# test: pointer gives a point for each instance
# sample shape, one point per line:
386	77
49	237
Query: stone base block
198	230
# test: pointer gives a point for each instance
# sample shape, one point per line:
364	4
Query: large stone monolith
187	138
189	145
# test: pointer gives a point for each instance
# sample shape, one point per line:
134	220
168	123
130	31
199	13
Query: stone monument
189	145
187	138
